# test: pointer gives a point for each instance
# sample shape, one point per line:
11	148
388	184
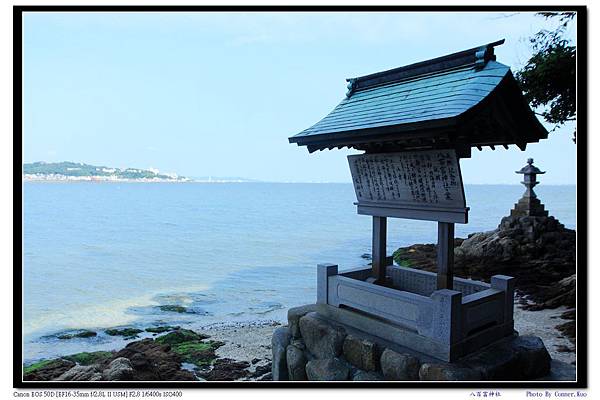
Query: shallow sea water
100	255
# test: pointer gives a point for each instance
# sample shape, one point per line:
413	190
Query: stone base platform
314	347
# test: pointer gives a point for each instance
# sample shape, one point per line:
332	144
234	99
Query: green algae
198	353
191	346
162	329
400	258
181	336
38	365
82	334
127	332
85	358
173	308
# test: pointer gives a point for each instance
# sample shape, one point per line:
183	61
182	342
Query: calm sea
100	255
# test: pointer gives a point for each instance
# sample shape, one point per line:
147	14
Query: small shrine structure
414	124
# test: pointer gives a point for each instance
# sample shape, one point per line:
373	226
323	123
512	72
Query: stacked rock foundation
313	348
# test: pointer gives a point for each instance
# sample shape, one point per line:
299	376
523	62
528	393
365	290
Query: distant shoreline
90	179
190	180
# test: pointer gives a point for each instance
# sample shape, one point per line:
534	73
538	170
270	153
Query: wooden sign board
423	185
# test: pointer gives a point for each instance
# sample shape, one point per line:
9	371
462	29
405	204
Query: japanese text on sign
425	177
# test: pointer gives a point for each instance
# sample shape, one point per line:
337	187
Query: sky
218	94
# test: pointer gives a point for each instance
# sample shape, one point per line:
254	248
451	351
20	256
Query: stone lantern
529	205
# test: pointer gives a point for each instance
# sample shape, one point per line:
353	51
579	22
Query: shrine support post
445	255
379	248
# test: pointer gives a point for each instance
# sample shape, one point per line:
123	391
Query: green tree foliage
548	78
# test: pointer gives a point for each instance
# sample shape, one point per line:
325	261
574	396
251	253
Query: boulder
279	342
119	369
331	369
324	340
81	373
361	353
399	366
494	362
154	361
533	358
294	314
447	372
361	375
296	363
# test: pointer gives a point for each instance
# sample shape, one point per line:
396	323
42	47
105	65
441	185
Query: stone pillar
446	315
507	285
445	255
324	271
379	257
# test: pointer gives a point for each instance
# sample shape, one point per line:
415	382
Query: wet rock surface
179	355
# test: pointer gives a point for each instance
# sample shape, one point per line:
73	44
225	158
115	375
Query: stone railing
441	323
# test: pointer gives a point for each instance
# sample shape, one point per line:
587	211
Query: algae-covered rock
126	332
81	334
180	336
161	329
198	353
190	346
153	361
86	358
46	370
173	308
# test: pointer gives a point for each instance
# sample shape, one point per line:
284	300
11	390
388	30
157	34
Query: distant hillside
80	171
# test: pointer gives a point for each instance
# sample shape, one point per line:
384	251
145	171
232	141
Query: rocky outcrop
153	361
538	251
81	373
47	370
119	369
159	359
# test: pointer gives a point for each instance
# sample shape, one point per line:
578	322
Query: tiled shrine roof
461	100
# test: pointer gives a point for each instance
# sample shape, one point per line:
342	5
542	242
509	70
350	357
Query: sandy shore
542	323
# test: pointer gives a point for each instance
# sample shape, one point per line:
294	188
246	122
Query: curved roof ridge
476	56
